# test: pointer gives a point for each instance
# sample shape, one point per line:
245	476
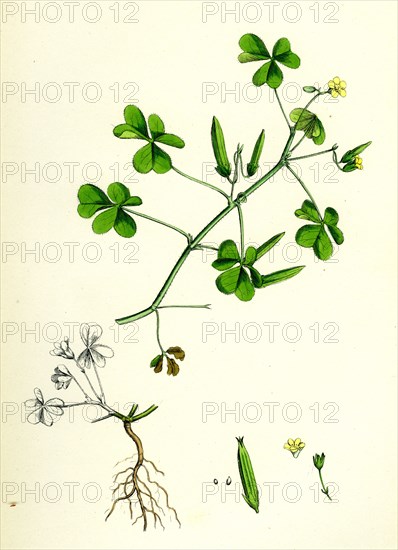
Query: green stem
298	143
313	154
242	197
242	231
158	331
282	109
201	182
305	189
144	414
205	306
325	489
156	220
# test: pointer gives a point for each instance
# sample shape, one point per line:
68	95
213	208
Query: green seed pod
247	476
220	152
252	167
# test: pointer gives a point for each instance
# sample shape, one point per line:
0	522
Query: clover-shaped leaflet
269	73
151	156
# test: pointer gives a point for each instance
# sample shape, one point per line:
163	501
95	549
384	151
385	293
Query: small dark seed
229	480
215	481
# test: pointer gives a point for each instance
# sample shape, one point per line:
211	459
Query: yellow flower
337	87
295	446
358	162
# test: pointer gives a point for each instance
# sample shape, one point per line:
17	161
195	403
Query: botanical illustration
239	269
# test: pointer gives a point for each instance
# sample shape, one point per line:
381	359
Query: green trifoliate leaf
171	139
151	157
118	193
269	73
244	288
309	123
156	126
228	250
143	159
307	235
223	264
124	224
220	152
228	281
331	216
337	234
250	256
125	131
114	215
105	221
268	245
322	246
282	53
252	167
253	48
280	276
134	117
256	277
92	199
308	212
352	153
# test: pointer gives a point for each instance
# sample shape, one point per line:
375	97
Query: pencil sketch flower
337	87
45	412
62	349
94	354
61	377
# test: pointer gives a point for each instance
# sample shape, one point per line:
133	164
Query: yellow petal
343	84
331	84
336	80
294	449
301	445
290	441
343	93
286	446
334	93
297	441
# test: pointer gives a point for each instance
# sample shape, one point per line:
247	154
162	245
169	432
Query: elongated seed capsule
247	476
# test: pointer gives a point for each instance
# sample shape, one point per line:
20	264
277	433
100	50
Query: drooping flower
94	354
62	349
45	412
337	87
61	377
295	446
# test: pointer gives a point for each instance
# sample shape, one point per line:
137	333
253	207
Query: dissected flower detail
358	163
94	354
45	412
295	446
61	377
62	349
337	87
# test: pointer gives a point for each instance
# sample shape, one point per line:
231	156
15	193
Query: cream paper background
170	54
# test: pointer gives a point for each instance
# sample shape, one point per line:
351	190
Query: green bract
93	199
254	49
243	279
310	124
349	157
150	157
315	236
